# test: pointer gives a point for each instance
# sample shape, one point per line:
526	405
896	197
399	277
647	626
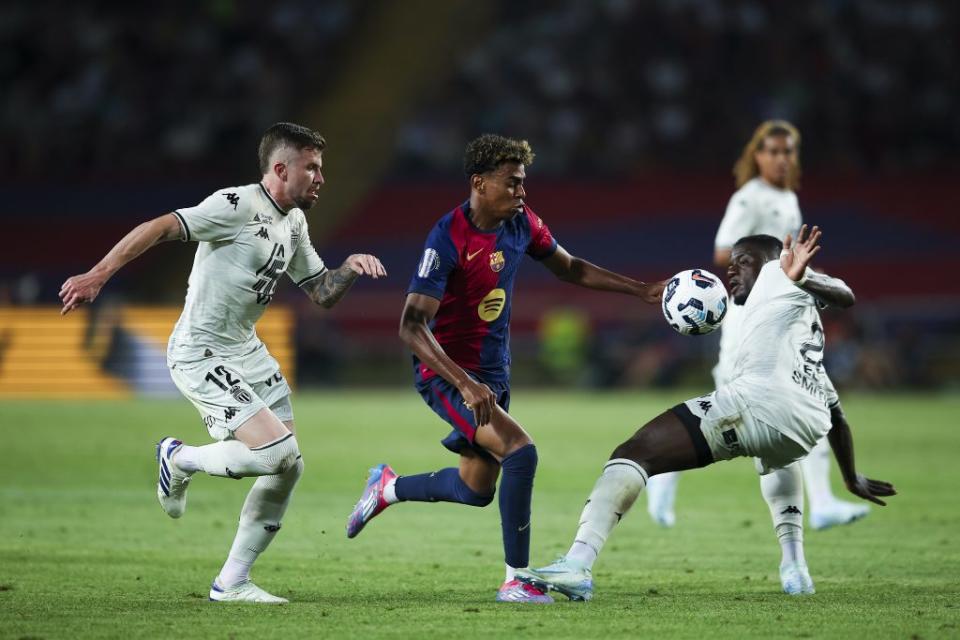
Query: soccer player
456	321
774	408
767	174
249	237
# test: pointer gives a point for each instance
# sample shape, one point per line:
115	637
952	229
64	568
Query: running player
249	237
774	409
456	321
767	174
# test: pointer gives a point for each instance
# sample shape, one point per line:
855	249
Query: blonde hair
746	169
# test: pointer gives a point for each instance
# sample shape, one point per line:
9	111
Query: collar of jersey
465	207
270	197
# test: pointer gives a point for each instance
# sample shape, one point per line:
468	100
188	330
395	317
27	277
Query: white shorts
228	391
731	431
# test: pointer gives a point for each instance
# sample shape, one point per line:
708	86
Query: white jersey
778	369
247	242
756	208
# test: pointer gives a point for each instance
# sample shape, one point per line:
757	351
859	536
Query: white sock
187	459
233	459
259	522
662	491
816	476
511	573
390	492
782	489
614	493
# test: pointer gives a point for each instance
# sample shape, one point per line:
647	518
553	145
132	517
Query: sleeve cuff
183	226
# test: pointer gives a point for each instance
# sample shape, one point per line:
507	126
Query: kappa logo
262	233
791	509
233	199
471	256
231	474
229	412
705	406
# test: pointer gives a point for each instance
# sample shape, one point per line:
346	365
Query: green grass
85	550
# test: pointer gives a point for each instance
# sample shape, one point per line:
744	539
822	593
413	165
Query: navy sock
516	492
444	485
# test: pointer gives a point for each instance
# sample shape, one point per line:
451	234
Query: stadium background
637	110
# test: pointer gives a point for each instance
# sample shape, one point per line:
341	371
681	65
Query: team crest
241	395
497	261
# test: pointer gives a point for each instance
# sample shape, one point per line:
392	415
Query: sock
443	486
816	476
516	493
662	491
783	491
259	523
614	493
233	459
511	574
390	492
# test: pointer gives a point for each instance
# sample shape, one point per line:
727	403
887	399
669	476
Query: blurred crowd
612	86
102	89
109	89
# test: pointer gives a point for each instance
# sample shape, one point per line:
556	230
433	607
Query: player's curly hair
287	134
746	169
489	151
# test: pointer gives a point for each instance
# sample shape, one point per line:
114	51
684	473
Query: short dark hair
489	151
767	244
283	134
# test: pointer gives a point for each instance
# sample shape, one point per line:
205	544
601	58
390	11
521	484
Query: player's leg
260	520
782	490
826	510
473	483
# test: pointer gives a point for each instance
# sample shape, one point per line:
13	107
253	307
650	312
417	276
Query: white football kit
756	208
246	244
776	405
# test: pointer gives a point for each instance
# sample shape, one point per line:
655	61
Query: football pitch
85	550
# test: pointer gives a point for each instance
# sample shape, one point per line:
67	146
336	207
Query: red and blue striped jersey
471	272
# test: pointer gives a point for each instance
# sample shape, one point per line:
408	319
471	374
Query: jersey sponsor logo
497	261
241	395
429	262
492	305
471	256
233	199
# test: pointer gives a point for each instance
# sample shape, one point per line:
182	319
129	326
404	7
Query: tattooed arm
328	289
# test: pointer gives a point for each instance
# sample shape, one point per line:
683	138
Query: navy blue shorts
446	401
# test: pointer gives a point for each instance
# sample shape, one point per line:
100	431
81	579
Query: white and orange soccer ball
694	302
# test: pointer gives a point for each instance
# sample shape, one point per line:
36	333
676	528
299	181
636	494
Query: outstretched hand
80	289
869	489
366	265
796	256
653	292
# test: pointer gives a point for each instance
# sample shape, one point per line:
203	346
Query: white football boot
172	485
838	512
796	580
244	592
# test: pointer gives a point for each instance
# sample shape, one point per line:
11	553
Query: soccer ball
694	302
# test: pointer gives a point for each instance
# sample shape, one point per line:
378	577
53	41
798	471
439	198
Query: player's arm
794	261
841	441
328	288
86	286
418	311
586	274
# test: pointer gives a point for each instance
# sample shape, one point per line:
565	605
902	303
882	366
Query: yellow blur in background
109	352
